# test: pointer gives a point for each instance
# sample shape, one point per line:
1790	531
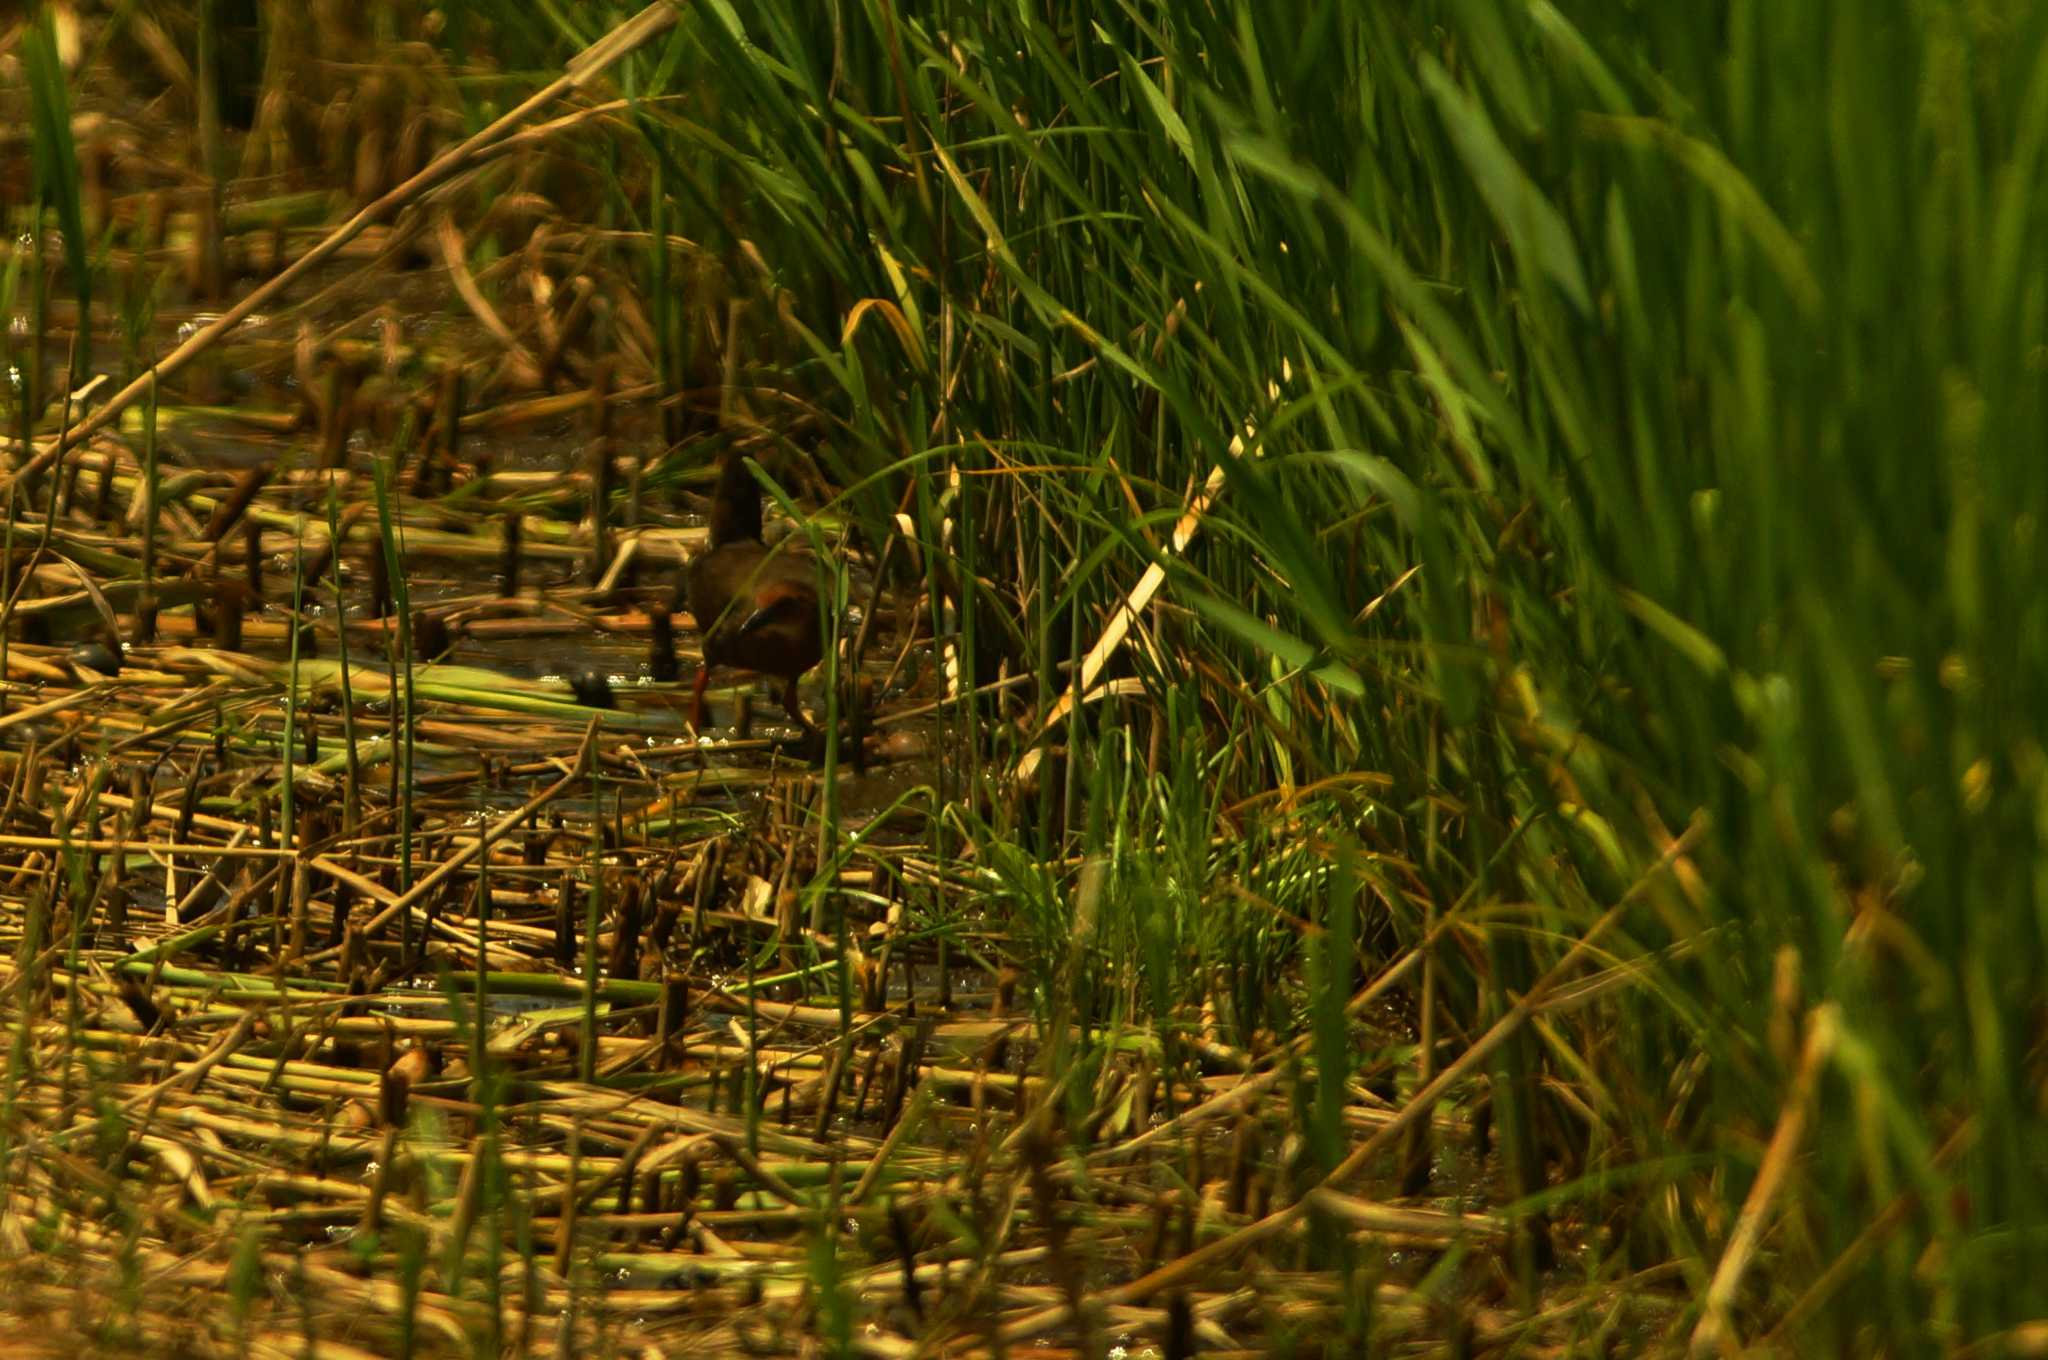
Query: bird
756	606
593	689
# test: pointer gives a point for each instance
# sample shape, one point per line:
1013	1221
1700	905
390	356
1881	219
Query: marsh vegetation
1429	737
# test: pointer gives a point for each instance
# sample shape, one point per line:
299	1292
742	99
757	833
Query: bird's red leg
790	706
699	719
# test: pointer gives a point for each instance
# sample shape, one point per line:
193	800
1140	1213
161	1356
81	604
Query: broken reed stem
227	618
508	557
323	557
210	270
380	584
600	470
252	557
436	472
236	503
337	413
1715	1333
662	666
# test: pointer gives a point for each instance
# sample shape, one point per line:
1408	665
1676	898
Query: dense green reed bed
1457	585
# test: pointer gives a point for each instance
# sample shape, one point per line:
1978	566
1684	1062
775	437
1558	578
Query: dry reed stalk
1715	1333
